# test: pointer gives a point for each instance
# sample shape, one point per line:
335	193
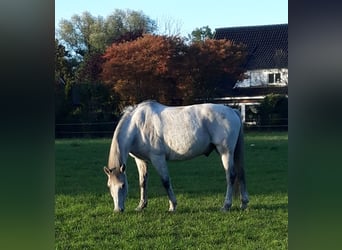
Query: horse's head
118	186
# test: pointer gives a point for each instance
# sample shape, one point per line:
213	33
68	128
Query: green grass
84	217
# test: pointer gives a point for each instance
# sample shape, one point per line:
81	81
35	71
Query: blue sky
188	14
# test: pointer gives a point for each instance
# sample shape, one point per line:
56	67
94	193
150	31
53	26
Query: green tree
86	33
273	110
87	37
200	34
80	101
63	64
64	78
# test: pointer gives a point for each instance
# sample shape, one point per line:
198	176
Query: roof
267	44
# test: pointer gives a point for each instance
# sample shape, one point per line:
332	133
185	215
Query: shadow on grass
277	206
203	210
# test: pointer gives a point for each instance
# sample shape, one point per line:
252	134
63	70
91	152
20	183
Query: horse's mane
129	109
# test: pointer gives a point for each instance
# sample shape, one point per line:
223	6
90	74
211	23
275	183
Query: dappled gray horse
151	132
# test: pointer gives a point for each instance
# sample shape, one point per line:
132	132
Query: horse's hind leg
227	161
142	169
161	167
239	166
243	189
242	185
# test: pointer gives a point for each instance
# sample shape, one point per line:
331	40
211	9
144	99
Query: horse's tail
239	160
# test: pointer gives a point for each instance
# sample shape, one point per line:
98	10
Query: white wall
260	78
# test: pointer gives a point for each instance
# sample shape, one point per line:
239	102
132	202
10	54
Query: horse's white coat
154	133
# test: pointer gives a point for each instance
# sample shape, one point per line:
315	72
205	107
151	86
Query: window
274	78
270	78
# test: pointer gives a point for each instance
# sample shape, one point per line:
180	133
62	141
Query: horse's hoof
172	210
226	207
141	206
172	207
243	206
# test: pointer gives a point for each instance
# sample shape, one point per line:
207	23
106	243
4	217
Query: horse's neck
121	144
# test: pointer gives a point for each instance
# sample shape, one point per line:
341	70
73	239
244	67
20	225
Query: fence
106	129
89	129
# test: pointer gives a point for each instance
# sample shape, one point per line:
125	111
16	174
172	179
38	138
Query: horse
154	133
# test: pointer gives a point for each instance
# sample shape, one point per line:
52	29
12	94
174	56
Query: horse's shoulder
146	113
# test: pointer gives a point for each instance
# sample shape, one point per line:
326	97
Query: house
266	65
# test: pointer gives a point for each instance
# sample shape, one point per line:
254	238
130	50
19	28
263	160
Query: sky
187	15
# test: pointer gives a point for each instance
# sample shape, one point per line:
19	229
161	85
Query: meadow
84	217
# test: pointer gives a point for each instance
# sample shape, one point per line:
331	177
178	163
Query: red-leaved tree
215	66
144	68
170	71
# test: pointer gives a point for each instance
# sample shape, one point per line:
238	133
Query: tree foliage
64	77
273	110
201	34
63	64
87	37
106	63
161	68
77	101
143	69
215	65
86	33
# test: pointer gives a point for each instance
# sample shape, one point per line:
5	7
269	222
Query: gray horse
152	132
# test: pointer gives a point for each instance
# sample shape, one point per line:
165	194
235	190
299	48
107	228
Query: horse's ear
107	170
122	168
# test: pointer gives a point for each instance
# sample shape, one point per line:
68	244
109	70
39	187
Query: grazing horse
152	132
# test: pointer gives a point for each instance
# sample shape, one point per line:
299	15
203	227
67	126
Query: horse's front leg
143	175
161	167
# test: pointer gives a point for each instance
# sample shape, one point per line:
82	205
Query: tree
85	33
166	69
214	66
63	64
144	68
87	37
200	34
90	68
273	110
63	80
169	26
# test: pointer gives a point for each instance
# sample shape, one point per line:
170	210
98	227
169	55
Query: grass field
84	217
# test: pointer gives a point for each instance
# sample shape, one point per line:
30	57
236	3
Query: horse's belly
184	135
184	146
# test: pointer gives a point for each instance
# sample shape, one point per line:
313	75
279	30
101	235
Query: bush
273	110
